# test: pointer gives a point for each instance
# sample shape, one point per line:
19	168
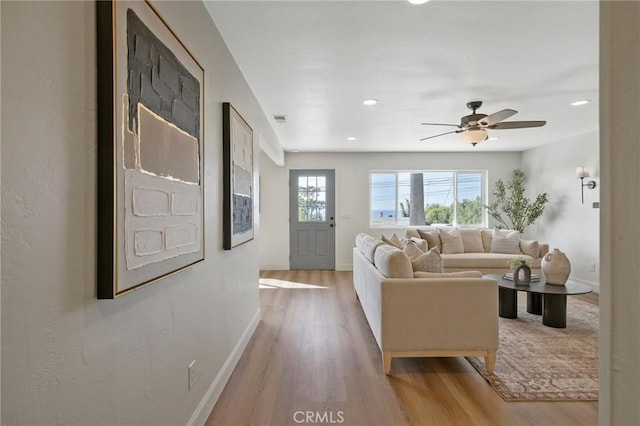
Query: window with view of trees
444	197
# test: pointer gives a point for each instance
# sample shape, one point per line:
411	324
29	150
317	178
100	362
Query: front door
311	217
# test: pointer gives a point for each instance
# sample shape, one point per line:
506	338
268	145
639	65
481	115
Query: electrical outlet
593	267
192	374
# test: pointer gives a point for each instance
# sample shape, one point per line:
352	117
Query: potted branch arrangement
510	208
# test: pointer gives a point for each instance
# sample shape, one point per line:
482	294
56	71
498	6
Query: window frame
484	195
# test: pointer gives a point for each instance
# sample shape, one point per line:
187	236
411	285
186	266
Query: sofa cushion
432	237
484	260
392	262
530	248
430	261
471	240
367	245
393	240
461	274
507	242
451	241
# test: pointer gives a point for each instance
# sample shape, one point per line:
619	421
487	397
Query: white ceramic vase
556	267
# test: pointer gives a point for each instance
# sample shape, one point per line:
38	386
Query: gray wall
567	224
68	358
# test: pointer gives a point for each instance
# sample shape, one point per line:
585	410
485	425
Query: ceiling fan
474	126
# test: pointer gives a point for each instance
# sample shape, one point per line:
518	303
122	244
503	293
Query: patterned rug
539	363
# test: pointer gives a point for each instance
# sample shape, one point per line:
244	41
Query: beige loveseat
423	317
477	253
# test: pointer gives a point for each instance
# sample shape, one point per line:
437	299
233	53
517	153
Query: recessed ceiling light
351	138
418	1
581	102
370	102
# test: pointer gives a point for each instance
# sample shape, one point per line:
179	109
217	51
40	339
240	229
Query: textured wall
68	358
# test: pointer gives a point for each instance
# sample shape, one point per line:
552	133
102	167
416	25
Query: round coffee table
546	299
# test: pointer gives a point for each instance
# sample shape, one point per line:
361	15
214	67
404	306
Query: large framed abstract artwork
238	198
150	149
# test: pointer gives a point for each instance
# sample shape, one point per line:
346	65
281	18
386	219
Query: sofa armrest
544	249
439	314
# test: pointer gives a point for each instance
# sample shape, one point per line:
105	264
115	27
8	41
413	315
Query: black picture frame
238	178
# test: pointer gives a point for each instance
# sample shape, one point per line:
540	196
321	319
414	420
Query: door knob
331	225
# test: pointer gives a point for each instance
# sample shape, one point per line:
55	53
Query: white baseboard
344	267
339	267
594	286
210	398
274	267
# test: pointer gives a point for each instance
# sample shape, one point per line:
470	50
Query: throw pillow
471	240
411	233
530	248
486	240
412	250
461	274
451	241
506	242
393	241
432	237
422	244
430	261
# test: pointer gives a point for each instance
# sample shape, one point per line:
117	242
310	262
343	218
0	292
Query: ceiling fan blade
497	117
441	134
517	124
440	124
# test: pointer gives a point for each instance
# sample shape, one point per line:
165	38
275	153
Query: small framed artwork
238	198
150	149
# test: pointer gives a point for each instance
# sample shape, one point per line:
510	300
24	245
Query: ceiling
315	63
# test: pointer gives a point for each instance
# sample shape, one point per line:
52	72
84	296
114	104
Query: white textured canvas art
156	187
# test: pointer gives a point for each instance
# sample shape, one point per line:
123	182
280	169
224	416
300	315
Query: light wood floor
313	351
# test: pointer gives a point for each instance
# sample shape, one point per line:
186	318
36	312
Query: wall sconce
581	173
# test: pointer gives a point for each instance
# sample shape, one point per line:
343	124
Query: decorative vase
556	267
522	274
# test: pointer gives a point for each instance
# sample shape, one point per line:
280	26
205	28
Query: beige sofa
423	317
477	250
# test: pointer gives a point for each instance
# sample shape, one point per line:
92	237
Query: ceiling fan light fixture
475	136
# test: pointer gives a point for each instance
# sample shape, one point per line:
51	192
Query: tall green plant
510	208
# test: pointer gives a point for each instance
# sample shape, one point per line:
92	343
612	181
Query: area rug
540	363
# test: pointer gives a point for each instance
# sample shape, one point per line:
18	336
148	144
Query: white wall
567	224
68	358
352	192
